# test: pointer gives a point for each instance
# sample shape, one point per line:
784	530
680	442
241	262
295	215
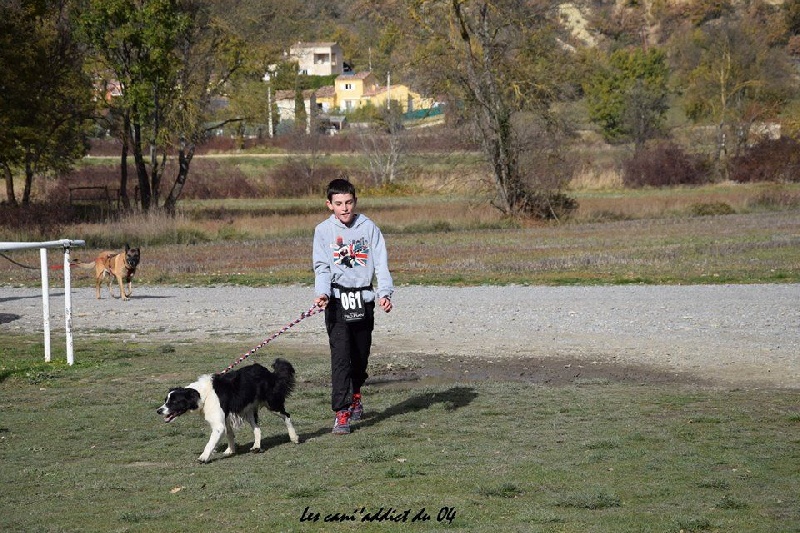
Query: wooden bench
104	194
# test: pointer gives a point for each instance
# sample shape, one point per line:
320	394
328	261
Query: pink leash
314	309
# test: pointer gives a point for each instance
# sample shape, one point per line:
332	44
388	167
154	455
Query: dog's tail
77	264
284	372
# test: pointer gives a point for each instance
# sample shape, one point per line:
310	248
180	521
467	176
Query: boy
349	251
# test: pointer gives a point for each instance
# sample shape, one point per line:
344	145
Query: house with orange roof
351	88
350	91
355	90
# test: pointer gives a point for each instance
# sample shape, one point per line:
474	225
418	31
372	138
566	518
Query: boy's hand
385	303
321	301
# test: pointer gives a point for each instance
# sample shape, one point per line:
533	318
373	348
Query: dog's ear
194	398
127	246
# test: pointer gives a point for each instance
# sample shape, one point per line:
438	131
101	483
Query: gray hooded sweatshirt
351	257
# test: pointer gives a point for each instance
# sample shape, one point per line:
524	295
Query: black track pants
350	345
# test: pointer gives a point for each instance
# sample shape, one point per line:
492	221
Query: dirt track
721	335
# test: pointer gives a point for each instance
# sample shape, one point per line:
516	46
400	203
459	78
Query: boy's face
343	207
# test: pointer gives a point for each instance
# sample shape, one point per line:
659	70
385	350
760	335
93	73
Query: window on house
348	86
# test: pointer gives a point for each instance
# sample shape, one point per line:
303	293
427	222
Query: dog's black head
132	257
179	401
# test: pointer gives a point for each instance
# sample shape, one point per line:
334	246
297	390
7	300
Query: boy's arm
322	268
381	262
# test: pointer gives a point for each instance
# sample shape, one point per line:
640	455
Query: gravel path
741	335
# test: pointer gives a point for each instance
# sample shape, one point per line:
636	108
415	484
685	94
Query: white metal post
68	306
45	302
66	244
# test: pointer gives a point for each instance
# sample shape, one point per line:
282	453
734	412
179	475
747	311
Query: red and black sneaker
341	424
356	408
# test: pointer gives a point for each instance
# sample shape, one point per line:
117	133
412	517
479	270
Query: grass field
82	449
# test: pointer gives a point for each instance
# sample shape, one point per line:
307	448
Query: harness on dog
313	310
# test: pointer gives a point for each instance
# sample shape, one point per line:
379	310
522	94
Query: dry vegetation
235	227
720	233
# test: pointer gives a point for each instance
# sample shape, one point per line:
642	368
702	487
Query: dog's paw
202	459
256	450
228	451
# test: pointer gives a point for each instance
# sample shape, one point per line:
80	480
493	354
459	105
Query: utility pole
268	79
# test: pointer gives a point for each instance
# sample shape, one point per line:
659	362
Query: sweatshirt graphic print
351	254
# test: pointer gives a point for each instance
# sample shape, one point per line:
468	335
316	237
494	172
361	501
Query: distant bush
90	176
770	160
34	222
663	165
107	146
775	200
297	177
711	209
793	46
207	179
549	205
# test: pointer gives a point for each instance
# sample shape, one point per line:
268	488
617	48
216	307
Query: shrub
662	165
208	180
793	46
711	209
769	160
90	176
551	205
33	222
297	177
775	200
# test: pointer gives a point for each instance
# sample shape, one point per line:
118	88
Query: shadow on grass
453	398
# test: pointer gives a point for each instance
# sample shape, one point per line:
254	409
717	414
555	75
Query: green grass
81	449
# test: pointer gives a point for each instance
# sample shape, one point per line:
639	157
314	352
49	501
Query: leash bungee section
313	310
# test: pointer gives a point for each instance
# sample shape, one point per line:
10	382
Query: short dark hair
340	186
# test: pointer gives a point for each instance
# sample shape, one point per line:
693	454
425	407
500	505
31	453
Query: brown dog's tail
74	264
77	264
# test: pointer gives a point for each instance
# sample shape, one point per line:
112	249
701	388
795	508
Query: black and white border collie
227	399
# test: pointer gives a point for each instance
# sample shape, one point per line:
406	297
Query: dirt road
721	335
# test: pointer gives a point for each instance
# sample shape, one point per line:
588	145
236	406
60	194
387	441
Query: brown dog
117	265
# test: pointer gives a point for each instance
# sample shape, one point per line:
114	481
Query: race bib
352	305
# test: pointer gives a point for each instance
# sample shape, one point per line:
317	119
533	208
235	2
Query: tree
383	144
627	97
732	78
45	103
500	62
209	58
170	58
136	40
300	113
